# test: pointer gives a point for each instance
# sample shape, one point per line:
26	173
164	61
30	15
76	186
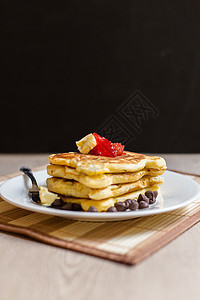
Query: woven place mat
124	241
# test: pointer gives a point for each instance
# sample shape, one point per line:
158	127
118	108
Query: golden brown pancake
94	165
101	180
78	190
103	205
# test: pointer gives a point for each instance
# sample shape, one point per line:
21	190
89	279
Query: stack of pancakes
100	181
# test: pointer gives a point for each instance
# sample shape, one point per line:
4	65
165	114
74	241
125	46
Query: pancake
103	205
101	180
78	190
94	165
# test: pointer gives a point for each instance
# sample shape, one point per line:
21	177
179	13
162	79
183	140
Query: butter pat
46	197
86	144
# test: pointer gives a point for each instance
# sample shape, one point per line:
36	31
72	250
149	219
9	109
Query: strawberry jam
105	147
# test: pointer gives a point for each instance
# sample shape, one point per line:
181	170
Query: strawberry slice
105	147
119	148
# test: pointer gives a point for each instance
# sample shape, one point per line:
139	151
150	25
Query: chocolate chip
67	206
76	207
151	201
128	201
121	206
155	193
149	194
92	209
142	197
112	209
152	196
133	205
58	203
143	204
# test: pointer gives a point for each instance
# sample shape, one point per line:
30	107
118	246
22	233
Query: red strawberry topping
105	147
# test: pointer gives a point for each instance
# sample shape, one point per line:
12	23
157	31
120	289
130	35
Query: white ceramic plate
176	192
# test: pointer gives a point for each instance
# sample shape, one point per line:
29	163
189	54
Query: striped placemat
126	241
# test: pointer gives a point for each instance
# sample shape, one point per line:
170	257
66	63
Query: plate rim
103	216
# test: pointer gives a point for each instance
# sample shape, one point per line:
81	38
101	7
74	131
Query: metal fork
34	191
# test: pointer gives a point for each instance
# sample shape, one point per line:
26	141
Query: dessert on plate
102	177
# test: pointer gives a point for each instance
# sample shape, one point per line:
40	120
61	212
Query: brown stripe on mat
124	241
15	213
50	224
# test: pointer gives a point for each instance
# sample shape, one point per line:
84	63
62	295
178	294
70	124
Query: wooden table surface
31	270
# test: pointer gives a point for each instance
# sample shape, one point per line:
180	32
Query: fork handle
29	173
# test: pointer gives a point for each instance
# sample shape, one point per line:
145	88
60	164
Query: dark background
67	66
